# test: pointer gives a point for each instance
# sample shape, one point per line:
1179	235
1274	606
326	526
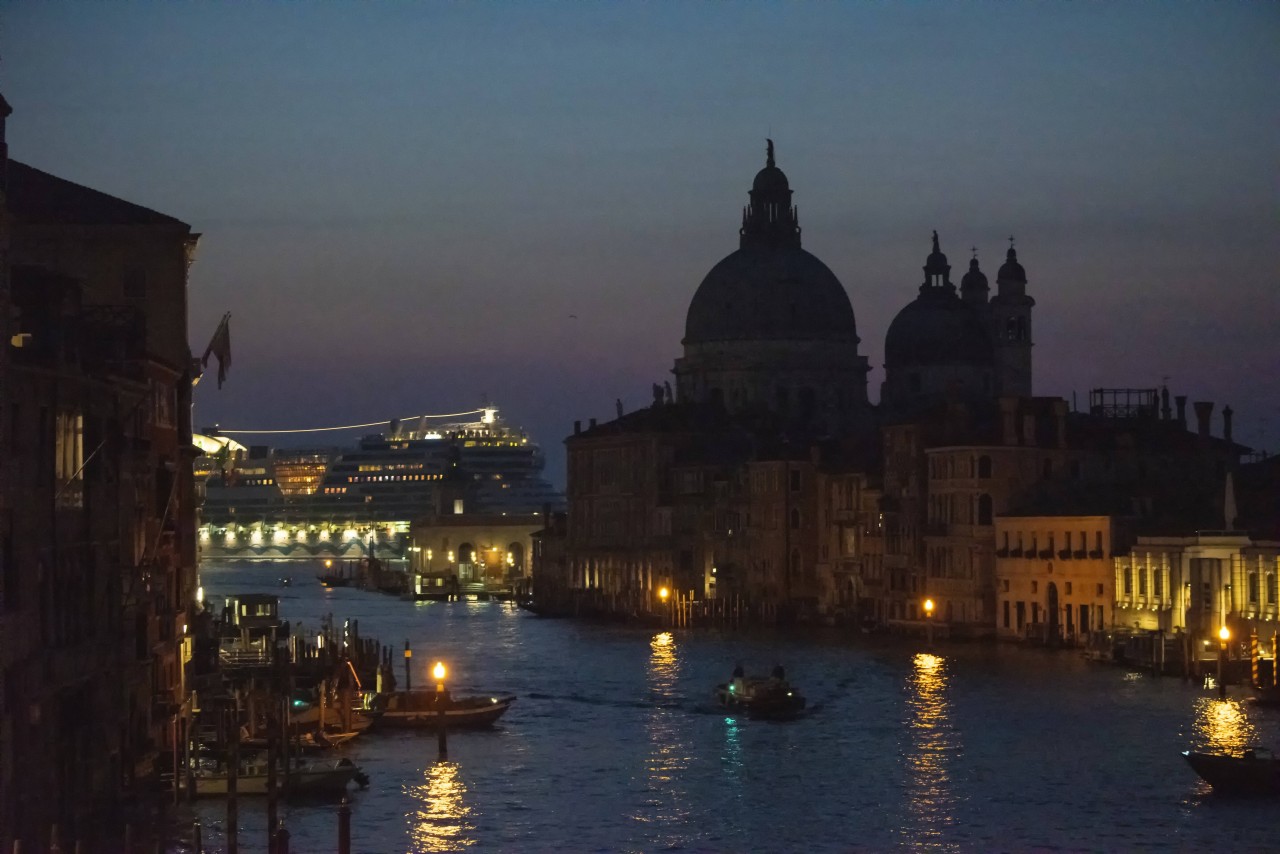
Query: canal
614	744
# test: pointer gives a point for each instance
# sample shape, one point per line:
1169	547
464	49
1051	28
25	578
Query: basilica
769	479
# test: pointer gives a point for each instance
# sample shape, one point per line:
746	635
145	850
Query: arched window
984	509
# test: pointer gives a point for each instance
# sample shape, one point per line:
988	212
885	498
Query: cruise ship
329	502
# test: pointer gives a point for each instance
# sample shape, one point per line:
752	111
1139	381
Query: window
1048	469
795	480
1253	588
984	467
1157	583
1128	581
1142	582
1271	588
984	509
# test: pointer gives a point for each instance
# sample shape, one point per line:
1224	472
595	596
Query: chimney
1060	421
1165	412
577	428
1204	411
591	424
1226	422
1009	419
1181	400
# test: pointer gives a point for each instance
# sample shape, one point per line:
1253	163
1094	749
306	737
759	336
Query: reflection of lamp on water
928	620
1224	635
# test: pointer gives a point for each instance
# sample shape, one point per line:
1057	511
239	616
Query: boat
421	710
1269	696
311	742
770	698
305	777
1256	771
334	579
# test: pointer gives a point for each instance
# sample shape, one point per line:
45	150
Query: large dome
937	328
770	292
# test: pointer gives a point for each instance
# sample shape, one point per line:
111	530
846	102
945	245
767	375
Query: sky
412	208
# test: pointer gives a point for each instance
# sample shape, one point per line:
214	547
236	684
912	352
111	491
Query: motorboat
427	709
1256	771
304	777
766	698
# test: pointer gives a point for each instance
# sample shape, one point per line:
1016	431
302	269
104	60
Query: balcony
1045	554
1002	552
1015	552
1079	554
1064	554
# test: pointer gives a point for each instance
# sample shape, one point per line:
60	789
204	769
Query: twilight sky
407	206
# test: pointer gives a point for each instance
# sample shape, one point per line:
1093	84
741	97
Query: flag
220	346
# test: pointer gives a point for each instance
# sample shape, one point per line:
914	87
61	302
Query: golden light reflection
666	803
442	820
933	742
1222	726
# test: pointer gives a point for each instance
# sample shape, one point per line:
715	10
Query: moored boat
304	777
1256	771
422	710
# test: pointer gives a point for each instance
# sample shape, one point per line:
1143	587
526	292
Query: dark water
615	746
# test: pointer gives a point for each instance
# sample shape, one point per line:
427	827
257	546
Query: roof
37	197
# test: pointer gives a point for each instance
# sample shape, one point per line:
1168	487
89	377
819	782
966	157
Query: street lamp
663	593
928	621
1224	635
442	699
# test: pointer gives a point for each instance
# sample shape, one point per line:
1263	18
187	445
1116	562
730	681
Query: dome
1011	270
771	179
974	280
937	328
770	292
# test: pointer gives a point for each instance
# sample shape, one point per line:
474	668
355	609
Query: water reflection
1222	726
441	821
931	745
665	802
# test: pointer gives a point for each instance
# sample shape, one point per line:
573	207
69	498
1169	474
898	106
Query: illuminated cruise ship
307	503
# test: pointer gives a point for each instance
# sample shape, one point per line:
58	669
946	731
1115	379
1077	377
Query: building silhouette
97	515
769	479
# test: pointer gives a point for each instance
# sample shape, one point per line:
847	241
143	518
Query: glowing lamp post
442	699
928	620
1224	635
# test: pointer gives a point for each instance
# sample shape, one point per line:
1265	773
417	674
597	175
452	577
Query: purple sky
403	204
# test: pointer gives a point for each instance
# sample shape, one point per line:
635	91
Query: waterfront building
475	550
712	491
97	511
1055	576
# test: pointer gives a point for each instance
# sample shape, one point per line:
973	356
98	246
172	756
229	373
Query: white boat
305	777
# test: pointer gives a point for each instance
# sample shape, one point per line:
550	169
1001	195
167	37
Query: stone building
97	515
1055	575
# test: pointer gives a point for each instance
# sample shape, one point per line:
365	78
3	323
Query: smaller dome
937	328
974	279
1011	270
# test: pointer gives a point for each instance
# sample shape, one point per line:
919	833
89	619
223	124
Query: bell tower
1011	327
